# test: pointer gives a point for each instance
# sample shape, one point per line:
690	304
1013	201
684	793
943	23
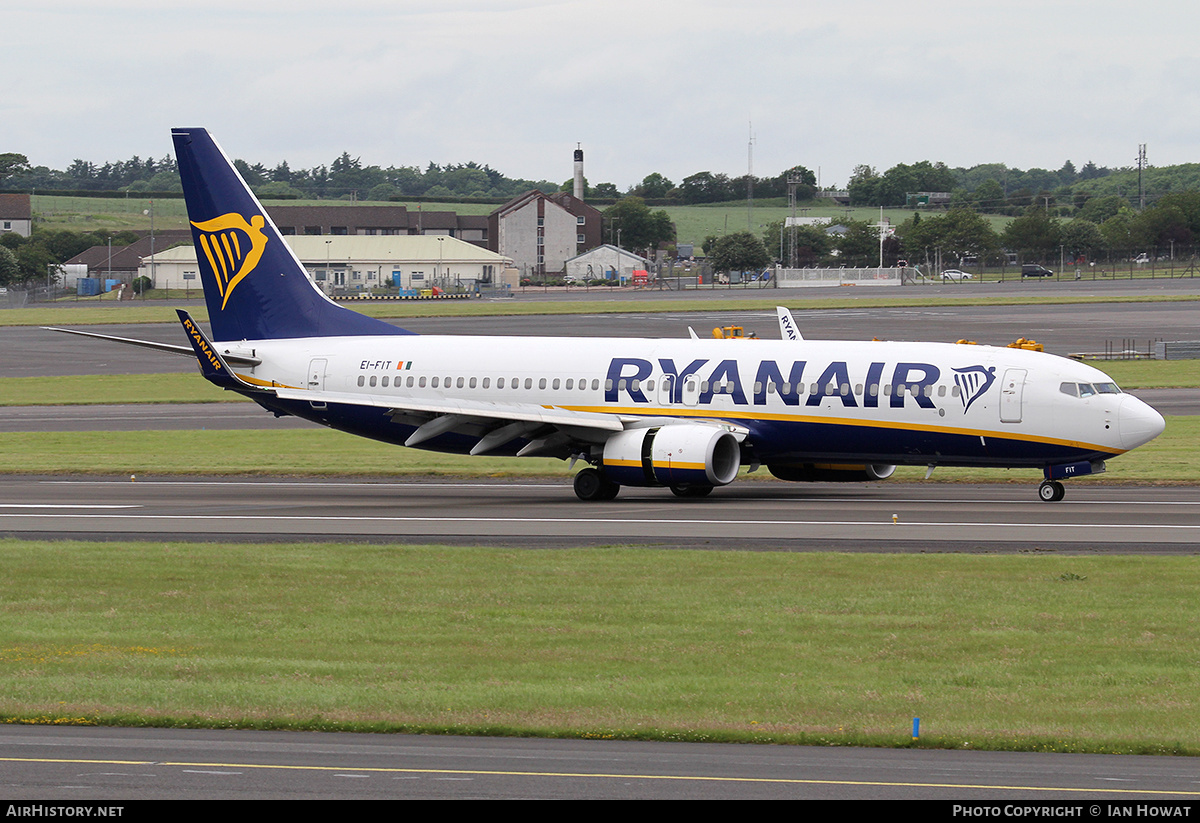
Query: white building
605	262
359	263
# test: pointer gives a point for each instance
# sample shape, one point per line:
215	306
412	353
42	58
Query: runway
95	764
767	515
1062	329
64	763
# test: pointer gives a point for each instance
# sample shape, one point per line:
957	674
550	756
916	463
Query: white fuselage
871	401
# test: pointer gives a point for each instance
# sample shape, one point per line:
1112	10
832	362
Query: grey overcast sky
666	86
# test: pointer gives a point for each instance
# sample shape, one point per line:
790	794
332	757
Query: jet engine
677	455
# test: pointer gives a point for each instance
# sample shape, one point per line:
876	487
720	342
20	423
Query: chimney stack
578	173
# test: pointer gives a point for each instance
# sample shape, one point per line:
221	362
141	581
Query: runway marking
882	522
566	490
341	771
69	506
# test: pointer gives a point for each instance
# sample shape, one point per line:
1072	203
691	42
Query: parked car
1034	270
955	274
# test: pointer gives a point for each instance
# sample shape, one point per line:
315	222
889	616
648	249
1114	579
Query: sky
671	87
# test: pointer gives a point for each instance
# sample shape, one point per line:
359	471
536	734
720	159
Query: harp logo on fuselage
973	382
232	246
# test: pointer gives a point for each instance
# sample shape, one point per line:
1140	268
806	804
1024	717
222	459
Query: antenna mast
750	181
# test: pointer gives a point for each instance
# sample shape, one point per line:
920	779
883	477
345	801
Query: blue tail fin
254	285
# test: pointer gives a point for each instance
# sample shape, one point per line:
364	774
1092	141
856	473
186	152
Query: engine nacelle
678	454
831	472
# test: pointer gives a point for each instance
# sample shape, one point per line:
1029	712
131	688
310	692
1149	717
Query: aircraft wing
523	412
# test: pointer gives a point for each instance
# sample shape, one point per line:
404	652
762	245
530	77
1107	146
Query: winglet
787	326
212	365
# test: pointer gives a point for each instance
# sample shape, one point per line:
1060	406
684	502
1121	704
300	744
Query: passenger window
595	383
529	382
460	382
487	382
570	383
362	381
472	383
542	383
434	382
384	382
499	382
410	382
421	383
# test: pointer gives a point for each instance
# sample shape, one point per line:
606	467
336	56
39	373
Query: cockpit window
1088	389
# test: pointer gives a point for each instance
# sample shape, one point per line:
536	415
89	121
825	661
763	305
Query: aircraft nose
1137	422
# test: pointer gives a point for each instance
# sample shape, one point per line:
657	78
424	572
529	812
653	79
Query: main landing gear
1051	491
590	484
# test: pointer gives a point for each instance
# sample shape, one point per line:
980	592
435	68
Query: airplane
685	414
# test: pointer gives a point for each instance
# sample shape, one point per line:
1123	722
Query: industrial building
358	263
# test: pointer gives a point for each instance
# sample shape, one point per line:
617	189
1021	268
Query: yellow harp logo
233	248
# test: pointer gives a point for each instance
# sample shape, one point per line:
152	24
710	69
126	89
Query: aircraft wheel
1051	491
590	484
691	491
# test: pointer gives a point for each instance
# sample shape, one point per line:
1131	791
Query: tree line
346	177
1111	230
988	188
25	260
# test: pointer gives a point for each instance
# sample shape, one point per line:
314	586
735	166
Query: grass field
1014	652
991	652
153	311
693	223
1170	458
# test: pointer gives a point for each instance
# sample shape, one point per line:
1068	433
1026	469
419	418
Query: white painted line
68	506
909	525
